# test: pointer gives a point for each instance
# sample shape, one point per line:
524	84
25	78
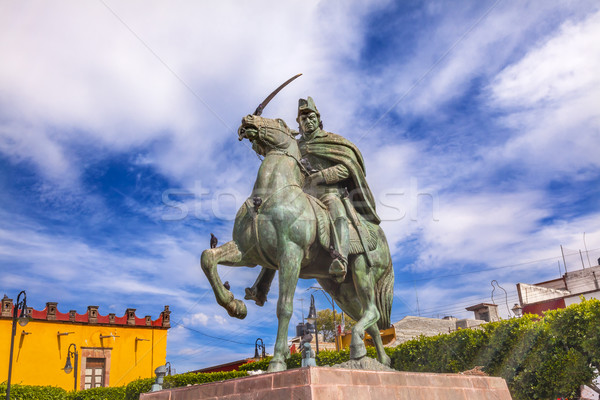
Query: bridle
262	130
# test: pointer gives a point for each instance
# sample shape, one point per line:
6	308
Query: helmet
307	105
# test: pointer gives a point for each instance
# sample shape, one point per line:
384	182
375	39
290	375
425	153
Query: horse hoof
385	360
277	366
237	309
357	352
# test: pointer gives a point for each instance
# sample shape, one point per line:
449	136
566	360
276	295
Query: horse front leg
228	254
289	271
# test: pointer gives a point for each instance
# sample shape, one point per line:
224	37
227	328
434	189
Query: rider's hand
316	179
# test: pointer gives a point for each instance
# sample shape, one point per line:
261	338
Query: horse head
266	134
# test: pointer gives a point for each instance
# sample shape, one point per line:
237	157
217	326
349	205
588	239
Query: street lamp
312	319
23	320
517	310
330	299
259	346
68	367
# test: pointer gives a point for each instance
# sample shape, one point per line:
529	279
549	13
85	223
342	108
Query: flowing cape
341	151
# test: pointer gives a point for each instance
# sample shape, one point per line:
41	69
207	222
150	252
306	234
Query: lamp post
68	367
312	319
330	299
259	346
23	320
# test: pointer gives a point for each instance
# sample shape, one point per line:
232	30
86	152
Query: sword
360	231
266	101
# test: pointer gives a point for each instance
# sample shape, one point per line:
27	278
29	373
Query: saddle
325	225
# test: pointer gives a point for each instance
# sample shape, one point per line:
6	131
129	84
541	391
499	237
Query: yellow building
111	350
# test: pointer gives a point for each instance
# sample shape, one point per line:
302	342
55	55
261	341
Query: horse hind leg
365	290
228	254
382	356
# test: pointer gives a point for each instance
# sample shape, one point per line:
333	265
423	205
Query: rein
284	152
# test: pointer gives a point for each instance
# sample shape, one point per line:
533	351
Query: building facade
559	293
111	350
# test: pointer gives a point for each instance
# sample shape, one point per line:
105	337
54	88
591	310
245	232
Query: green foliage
443	353
24	392
130	392
326	326
540	358
324	358
294	361
134	388
261	365
99	393
191	378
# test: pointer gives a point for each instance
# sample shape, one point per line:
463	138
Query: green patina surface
311	214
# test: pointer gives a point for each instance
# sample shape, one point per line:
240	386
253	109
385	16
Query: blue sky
478	121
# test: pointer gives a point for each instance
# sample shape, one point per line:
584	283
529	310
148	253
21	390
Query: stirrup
337	269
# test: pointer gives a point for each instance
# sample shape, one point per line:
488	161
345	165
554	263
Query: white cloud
197	319
551	97
560	69
118	76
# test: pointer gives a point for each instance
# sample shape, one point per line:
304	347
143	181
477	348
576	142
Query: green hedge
133	389
325	358
100	393
130	392
25	392
540	357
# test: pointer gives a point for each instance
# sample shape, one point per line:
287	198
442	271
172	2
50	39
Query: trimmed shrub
99	393
25	392
199	378
540	357
133	389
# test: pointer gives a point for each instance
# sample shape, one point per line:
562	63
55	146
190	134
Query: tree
326	326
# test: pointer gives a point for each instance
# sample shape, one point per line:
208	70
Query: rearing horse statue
284	229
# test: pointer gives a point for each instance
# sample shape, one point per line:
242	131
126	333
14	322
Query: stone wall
583	280
412	327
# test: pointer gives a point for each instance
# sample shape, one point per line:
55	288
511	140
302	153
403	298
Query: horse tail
384	295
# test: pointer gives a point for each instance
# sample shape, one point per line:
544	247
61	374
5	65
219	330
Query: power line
213	336
487	269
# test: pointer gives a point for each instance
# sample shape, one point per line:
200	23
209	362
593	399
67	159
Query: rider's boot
258	292
341	243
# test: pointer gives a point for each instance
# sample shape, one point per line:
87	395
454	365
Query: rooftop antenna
559	270
563	254
587	253
581	255
417	295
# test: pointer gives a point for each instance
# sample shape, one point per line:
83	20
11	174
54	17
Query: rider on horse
338	168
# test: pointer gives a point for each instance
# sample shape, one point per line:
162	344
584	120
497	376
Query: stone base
322	383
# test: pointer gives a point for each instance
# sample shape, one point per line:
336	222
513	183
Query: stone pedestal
322	383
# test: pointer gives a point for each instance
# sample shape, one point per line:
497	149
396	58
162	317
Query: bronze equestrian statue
310	215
